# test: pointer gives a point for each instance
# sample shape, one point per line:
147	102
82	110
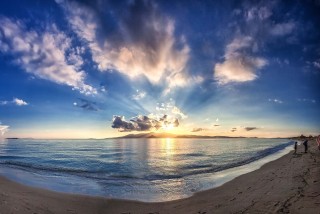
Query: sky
98	69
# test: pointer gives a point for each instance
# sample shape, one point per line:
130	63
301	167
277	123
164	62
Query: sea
152	170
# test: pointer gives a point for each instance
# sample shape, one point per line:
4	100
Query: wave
11	157
257	156
204	169
93	174
195	155
28	166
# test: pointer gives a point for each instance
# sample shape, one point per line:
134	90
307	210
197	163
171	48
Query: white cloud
3	129
15	101
145	45
175	110
282	29
43	54
139	95
19	102
238	66
103	88
169	108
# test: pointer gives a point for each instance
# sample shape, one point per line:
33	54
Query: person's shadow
297	155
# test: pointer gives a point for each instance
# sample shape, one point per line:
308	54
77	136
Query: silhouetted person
305	143
295	147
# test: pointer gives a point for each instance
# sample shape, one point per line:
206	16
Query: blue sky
81	69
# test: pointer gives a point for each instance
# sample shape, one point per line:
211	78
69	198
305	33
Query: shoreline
290	183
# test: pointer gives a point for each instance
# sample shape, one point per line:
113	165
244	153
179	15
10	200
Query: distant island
169	135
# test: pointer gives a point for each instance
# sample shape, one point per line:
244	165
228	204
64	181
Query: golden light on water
169	145
169	148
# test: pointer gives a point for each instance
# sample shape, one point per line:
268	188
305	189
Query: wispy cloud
260	19
43	53
306	100
15	101
143	123
176	111
181	80
139	95
316	64
261	13
238	66
169	108
275	101
143	41
282	29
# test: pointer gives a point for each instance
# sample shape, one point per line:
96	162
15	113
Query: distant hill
169	135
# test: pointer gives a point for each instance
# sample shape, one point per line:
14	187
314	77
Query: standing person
295	147
305	143
318	142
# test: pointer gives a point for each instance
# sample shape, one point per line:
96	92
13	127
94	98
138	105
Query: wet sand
290	184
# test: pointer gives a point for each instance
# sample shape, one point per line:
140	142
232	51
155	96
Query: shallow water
139	169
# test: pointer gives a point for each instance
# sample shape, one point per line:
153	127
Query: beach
290	184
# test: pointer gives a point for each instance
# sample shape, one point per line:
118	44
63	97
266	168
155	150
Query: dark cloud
142	123
86	105
233	129
167	122
198	129
216	125
250	128
120	123
176	123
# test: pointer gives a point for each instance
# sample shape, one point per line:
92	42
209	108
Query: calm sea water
139	169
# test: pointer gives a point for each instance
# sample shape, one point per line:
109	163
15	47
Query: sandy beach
290	184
